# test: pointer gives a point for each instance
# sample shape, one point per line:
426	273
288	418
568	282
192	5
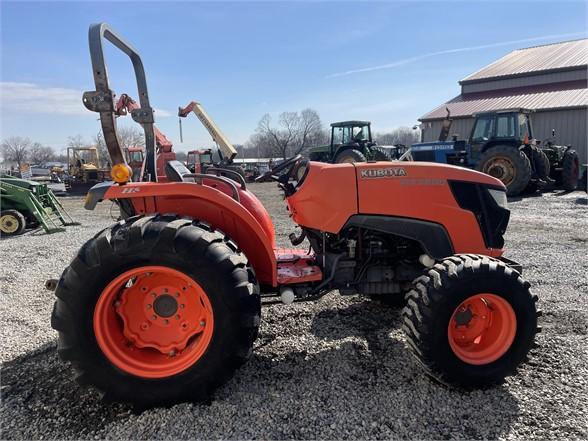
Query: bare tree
39	154
400	135
127	136
16	149
293	133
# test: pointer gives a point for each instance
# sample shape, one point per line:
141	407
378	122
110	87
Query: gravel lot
337	368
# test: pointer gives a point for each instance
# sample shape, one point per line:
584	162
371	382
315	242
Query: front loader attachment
35	201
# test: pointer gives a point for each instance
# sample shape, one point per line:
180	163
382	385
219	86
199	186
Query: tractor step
297	266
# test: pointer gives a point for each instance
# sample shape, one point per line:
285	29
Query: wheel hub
501	168
165	305
160	312
9	224
482	328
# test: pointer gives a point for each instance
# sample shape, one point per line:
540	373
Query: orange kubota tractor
164	306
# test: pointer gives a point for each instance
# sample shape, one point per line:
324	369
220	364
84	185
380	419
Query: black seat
176	170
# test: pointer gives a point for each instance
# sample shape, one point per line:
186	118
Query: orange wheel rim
482	328
153	321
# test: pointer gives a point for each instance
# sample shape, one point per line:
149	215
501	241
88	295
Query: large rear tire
470	320
350	156
12	223
508	164
157	310
543	169
570	173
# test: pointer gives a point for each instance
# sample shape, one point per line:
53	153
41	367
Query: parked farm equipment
164	306
26	203
501	144
199	161
83	169
351	141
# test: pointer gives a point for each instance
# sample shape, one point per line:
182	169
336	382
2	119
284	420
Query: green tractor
26	203
351	141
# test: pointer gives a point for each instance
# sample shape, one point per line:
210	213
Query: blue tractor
501	144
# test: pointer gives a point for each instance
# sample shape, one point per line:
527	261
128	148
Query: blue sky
242	60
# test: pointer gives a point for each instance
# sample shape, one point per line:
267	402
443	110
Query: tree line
291	133
294	133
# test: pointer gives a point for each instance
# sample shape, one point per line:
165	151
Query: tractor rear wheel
470	320
12	223
157	310
350	156
570	173
508	164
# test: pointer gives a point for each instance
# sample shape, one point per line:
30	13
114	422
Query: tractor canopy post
102	99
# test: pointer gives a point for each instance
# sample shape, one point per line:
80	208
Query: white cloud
160	113
32	98
414	59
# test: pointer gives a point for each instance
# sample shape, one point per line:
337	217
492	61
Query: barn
551	80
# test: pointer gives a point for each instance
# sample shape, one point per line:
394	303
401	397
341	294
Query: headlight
499	197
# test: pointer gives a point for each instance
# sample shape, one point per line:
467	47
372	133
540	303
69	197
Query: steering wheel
273	173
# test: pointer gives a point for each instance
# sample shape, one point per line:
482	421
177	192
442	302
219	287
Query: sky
387	62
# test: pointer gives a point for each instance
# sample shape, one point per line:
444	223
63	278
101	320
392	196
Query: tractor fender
206	204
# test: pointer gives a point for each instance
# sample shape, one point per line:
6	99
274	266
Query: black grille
492	218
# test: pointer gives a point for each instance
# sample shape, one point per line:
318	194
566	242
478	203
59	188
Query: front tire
157	310
470	320
508	164
12	223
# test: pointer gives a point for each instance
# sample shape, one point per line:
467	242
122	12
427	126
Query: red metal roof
550	57
466	105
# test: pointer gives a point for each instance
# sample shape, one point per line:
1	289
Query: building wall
570	128
525	81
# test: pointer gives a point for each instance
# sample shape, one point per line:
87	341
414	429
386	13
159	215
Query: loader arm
225	146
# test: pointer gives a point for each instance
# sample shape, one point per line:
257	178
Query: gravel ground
336	368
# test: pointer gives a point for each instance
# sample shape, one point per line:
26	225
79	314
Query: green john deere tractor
26	203
351	141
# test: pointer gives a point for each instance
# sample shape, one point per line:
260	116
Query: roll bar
102	99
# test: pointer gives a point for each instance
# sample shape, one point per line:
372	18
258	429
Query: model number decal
131	190
382	172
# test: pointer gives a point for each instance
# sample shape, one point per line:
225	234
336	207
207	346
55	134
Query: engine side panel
419	190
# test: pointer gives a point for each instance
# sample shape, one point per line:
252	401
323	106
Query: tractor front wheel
350	156
508	164
12	223
470	320
157	310
570	173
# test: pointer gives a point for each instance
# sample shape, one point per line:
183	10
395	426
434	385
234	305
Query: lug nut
202	322
153	317
172	353
153	295
166	321
177	317
182	306
149	306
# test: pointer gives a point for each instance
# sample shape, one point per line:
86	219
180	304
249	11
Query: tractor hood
331	193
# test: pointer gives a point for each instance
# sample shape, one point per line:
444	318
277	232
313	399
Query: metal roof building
552	80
